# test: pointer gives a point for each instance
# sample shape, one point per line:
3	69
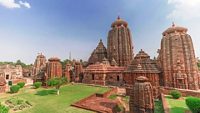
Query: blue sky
56	27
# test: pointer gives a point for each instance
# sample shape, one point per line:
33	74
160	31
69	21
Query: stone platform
97	104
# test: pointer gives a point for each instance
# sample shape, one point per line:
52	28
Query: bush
3	109
193	104
14	89
175	94
37	84
21	84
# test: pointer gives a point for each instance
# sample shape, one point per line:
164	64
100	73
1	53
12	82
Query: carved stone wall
119	44
177	59
54	68
98	54
141	98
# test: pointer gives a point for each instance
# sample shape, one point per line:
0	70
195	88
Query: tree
57	83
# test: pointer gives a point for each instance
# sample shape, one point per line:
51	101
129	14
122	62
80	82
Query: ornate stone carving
177	59
119	44
98	54
141	98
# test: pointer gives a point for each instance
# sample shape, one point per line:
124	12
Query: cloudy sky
56	27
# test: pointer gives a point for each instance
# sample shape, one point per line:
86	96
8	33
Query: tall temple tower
120	43
177	59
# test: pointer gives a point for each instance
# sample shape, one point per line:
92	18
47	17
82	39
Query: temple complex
119	43
141	99
177	59
54	68
103	74
98	54
10	72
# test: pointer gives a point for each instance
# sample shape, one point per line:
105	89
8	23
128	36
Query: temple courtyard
44	100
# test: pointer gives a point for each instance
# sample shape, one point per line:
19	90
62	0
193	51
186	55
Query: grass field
176	105
46	100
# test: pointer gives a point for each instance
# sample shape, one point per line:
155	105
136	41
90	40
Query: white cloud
13	4
184	9
25	4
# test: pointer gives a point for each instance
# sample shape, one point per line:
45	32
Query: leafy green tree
57	83
3	109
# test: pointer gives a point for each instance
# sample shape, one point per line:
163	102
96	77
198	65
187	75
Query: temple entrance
7	77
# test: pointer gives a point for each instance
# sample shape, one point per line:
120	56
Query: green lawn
46	100
176	105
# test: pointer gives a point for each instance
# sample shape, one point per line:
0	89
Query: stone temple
119	44
177	59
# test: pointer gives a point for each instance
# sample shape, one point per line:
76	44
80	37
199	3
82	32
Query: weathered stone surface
119	44
39	68
103	74
2	84
98	54
142	65
177	59
141	99
10	72
54	68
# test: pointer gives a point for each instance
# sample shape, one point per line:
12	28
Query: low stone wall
184	92
15	81
93	96
164	103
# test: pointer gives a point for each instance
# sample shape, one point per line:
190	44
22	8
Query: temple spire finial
173	24
118	17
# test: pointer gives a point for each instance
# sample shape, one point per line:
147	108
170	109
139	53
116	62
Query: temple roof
143	64
141	79
174	28
54	59
142	55
119	22
2	81
98	54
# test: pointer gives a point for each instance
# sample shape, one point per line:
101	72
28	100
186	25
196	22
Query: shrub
21	84
14	89
3	109
175	94
193	104
37	84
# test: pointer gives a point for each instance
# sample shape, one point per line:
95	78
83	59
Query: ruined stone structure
103	74
142	65
177	59
10	72
141	99
119	44
2	84
98	54
54	68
